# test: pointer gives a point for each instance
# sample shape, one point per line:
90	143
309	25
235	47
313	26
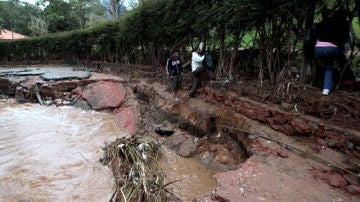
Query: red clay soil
272	173
324	126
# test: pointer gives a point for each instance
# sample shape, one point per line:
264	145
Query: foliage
356	27
37	25
272	30
50	15
16	15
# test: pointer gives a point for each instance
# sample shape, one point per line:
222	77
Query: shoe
326	92
191	95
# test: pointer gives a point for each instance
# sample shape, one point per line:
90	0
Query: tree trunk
203	39
222	49
307	59
234	53
143	52
113	9
153	57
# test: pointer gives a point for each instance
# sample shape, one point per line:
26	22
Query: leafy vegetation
272	31
50	16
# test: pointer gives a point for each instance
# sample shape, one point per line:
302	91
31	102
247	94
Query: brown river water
52	154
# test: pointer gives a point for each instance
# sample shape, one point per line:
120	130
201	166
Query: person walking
208	63
332	34
174	69
196	68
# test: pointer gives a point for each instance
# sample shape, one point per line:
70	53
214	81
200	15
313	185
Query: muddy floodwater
52	154
195	178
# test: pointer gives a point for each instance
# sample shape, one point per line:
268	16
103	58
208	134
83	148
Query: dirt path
272	173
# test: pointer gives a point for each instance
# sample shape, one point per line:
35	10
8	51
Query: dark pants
329	55
211	73
197	82
176	81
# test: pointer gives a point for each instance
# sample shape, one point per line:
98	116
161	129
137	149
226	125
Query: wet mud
224	164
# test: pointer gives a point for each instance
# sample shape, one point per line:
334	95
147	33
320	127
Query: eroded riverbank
251	168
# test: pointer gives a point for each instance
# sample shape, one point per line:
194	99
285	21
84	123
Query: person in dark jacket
208	64
332	34
174	69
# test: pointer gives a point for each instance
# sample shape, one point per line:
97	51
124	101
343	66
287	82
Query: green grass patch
356	27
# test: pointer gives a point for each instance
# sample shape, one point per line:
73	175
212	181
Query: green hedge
156	26
54	46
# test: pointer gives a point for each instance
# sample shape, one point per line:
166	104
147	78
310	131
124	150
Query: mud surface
272	172
246	167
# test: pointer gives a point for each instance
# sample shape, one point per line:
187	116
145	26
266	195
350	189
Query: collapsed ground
252	168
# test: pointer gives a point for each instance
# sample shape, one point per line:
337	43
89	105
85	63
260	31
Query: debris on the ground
288	109
163	132
134	163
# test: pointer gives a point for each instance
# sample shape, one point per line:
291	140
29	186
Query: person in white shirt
196	68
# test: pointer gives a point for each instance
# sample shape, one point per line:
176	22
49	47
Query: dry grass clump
135	166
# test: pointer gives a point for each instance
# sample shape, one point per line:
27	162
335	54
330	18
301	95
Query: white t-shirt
196	61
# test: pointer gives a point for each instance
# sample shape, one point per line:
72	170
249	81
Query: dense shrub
147	33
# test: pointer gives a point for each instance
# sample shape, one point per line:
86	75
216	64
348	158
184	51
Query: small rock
47	102
353	189
332	179
313	125
349	144
58	101
19	95
286	106
206	155
242	190
188	148
331	143
78	91
173	142
327	127
337	180
282	153
224	156
82	104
